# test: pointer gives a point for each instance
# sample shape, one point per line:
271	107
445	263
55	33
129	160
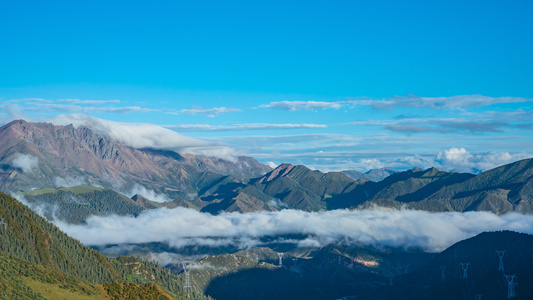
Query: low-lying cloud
148	194
27	163
182	227
69	181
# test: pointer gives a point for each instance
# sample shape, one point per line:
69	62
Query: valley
151	220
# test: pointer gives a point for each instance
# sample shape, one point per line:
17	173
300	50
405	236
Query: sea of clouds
180	227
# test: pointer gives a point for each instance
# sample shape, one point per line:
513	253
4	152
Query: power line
187	284
465	268
500	255
511	285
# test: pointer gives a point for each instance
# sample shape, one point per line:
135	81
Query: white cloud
21	106
453	102
459	159
382	227
252	126
148	194
276	203
271	164
371	163
27	163
301	105
43	209
140	135
211	112
69	181
13	111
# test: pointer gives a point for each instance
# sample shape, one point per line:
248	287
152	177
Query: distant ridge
373	175
41	155
504	189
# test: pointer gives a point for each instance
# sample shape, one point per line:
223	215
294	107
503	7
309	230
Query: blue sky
329	84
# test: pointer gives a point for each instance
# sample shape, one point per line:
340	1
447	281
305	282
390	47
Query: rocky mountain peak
281	171
64	152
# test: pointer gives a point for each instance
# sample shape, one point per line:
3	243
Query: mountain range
69	174
41	155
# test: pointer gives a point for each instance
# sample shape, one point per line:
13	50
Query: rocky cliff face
38	155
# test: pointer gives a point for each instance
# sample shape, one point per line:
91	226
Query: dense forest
29	242
75	205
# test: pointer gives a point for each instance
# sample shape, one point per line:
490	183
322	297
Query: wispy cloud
88	102
241	127
301	105
471	124
86	109
335	152
23	107
181	227
453	102
409	128
148	194
27	163
210	112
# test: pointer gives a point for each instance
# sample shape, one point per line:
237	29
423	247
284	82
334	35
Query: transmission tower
443	272
187	284
465	268
295	260
478	296
511	285
500	255
390	279
280	255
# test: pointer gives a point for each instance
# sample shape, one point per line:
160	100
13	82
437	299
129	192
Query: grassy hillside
29	242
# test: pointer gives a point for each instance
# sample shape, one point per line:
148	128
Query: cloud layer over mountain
181	227
142	135
25	162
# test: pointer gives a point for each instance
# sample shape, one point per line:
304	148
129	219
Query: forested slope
29	242
74	205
